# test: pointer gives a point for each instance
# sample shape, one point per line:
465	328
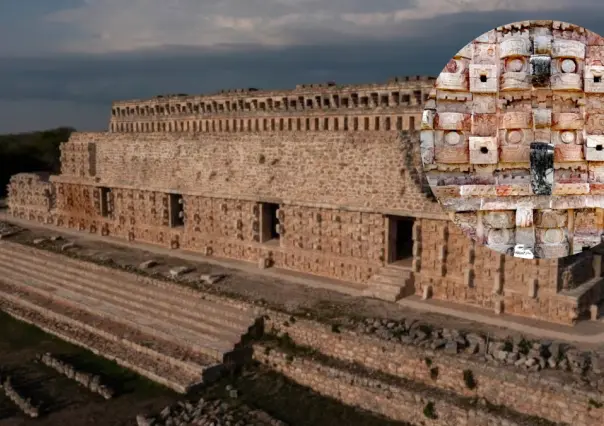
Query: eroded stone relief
512	139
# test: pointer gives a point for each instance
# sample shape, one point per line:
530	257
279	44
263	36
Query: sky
62	62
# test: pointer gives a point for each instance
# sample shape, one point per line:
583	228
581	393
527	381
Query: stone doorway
400	240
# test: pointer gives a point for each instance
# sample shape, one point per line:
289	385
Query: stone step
146	324
389	283
395	272
104	341
171	296
388	280
121	297
108	328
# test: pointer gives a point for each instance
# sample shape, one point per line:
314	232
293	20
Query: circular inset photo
512	139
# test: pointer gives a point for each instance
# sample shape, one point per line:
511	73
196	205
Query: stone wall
358	171
31	196
456	269
549	396
393	105
373	395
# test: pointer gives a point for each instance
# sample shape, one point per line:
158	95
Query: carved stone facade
511	139
344	203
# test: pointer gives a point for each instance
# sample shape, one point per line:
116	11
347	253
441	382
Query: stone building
323	179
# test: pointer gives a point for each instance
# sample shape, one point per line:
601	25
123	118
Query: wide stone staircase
392	282
170	334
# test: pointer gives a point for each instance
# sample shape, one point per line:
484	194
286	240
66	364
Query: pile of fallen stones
7	229
208	413
89	381
24	404
516	351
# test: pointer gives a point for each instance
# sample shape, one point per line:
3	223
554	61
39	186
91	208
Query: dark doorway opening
270	222
177	211
401	240
104	194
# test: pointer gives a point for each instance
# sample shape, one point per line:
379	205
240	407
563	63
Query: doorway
400	231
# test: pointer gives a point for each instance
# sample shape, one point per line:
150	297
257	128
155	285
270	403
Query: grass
28	340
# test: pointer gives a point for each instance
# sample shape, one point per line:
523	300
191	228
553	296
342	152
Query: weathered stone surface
536	108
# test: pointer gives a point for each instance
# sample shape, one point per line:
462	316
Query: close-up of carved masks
512	139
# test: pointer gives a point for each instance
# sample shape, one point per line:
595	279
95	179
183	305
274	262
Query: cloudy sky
62	62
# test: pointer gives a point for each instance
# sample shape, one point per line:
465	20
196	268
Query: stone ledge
389	396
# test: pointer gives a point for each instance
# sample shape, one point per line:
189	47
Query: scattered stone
56	238
67	246
147	264
39	241
89	381
211	278
178	271
23	403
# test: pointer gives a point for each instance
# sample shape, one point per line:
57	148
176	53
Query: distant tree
31	152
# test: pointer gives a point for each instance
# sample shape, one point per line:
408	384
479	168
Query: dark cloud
77	90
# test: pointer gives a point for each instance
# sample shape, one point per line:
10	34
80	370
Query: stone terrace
158	330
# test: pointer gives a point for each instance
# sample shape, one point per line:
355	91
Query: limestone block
593	79
499	237
567	121
484	104
427	292
452	121
551	218
499	219
427	146
594	150
532	290
516	120
513	190
568	49
512	81
542	117
428	119
454	77
571	188
563	81
551	235
478	191
483	150
497	284
484	124
446	191
515	46
542	44
549	251
594	312
484	78
524	217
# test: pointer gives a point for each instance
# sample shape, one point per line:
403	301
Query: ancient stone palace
322	179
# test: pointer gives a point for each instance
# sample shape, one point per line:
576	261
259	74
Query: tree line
31	152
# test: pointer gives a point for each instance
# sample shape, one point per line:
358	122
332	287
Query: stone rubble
24	404
208	413
7	229
211	278
67	246
178	271
147	264
89	381
530	355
